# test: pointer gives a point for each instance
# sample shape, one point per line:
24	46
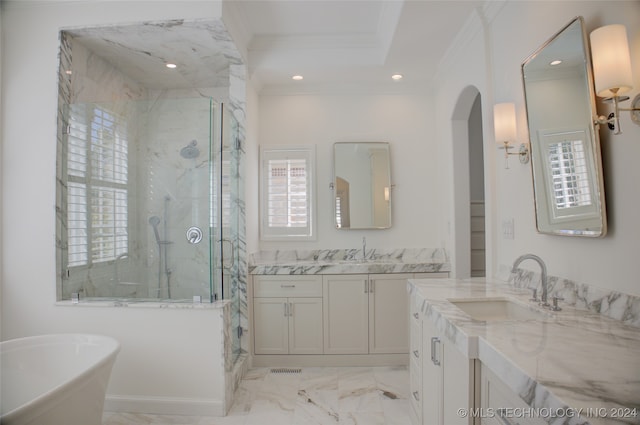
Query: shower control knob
194	235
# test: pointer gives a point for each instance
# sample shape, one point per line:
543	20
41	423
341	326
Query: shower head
190	151
154	220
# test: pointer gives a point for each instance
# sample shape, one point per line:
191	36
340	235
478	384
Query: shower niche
148	164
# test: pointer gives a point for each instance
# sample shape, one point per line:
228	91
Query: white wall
403	120
517	30
153	342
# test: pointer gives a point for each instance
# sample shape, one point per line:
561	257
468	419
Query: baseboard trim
330	360
164	405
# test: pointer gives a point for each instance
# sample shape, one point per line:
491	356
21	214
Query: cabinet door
431	375
496	396
457	385
305	326
388	314
346	314
270	324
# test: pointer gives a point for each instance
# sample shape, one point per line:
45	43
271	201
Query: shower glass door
138	209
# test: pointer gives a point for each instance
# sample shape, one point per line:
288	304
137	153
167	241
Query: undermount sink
497	309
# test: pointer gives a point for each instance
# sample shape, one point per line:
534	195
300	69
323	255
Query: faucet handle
555	303
534	296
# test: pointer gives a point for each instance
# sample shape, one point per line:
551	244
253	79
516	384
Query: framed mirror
565	148
362	185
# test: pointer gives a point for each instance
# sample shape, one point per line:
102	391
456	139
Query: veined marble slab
573	359
349	261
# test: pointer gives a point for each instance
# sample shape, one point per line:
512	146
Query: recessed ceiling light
297	77
171	65
397	77
555	62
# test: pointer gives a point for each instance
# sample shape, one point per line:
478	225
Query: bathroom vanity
483	353
335	309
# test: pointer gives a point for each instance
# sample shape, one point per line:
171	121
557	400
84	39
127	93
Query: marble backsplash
401	255
613	304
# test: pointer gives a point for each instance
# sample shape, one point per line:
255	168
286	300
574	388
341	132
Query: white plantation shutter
97	195
286	192
569	173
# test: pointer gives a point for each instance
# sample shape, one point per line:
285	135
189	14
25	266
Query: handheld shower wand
154	221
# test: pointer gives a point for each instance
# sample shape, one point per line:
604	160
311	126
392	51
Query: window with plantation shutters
569	175
571	190
286	192
97	194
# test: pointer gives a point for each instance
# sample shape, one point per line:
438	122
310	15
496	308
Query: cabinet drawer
287	286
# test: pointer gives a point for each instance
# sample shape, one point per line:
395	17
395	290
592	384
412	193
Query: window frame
284	153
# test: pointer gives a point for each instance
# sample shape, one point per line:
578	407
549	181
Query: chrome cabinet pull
416	354
416	315
286	309
416	395
290	309
366	287
434	340
371	286
287	286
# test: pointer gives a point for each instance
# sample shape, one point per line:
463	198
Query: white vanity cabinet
448	380
287	315
341	315
367	313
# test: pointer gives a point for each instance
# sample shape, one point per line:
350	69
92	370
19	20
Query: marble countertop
573	359
349	261
347	267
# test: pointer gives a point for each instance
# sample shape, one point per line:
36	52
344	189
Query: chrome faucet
543	273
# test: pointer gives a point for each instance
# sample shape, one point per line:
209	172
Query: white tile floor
342	396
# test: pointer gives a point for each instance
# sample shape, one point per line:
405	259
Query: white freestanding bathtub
55	379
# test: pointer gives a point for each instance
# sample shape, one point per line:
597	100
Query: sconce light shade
504	122
611	60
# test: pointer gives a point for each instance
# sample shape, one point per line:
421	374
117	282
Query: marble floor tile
315	396
358	390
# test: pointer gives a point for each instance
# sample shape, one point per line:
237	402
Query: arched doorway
468	183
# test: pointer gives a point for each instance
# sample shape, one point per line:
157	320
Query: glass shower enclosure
148	190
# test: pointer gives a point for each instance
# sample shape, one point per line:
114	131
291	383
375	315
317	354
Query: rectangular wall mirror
362	185
565	148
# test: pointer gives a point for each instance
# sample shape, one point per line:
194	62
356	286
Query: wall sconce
612	72
504	124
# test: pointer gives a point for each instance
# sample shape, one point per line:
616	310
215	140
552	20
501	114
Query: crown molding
484	15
